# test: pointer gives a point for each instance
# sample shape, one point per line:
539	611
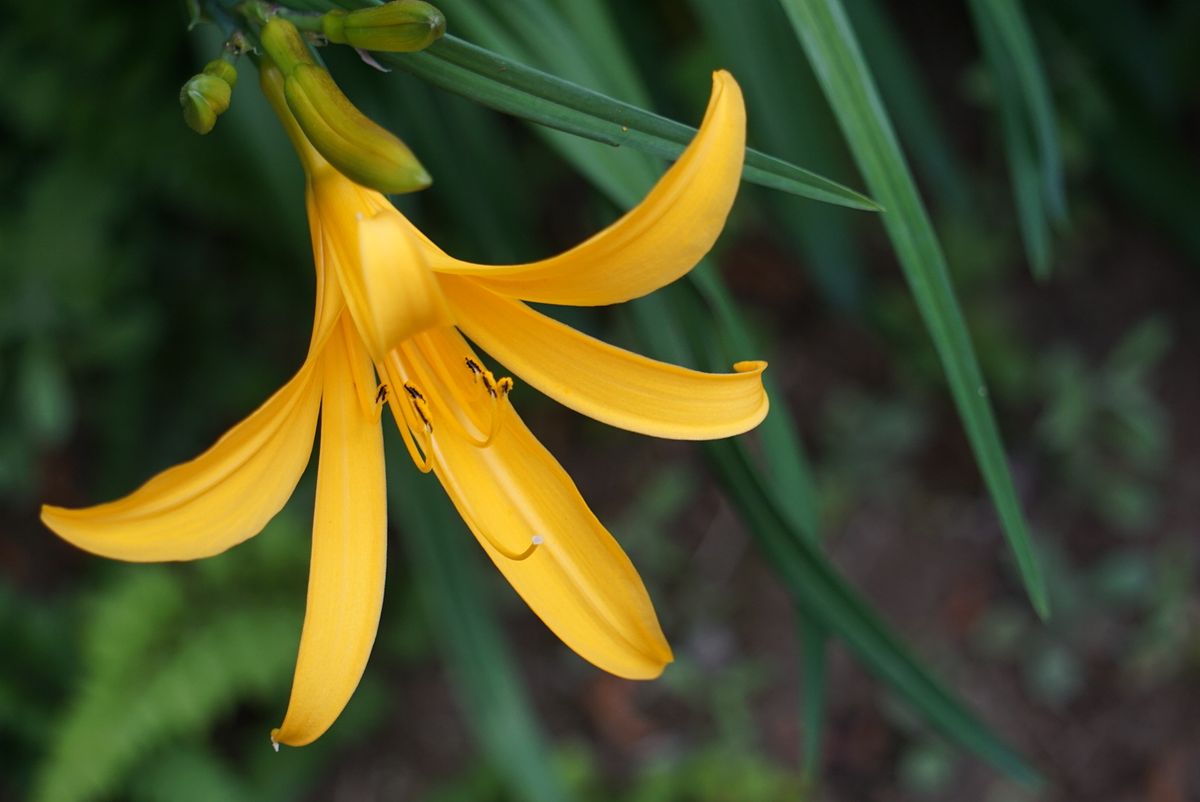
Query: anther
420	406
497	388
473	366
381	396
422	409
489	381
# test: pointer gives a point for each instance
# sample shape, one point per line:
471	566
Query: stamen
498	389
421	456
433	372
382	394
420	406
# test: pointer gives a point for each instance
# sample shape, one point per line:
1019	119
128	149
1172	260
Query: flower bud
204	98
401	26
223	70
285	45
358	147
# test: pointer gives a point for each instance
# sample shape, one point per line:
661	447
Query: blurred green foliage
155	286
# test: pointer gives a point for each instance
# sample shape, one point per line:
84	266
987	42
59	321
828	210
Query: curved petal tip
755	366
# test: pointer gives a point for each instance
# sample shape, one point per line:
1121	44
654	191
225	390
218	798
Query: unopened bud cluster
354	144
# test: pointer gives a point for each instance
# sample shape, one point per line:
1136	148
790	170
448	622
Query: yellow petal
578	580
658	240
345	584
228	493
604	382
216	500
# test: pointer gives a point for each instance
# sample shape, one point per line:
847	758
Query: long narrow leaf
513	88
827	605
482	669
1006	21
814	643
1023	105
825	596
829	41
916	116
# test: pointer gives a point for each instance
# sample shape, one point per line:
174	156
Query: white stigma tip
275	744
538	540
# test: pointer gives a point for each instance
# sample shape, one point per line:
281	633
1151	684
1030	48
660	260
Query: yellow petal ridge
654	243
349	549
610	384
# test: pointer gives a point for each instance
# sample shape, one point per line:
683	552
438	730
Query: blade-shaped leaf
827	604
479	662
814	644
1005	21
833	604
1027	124
829	41
513	88
917	118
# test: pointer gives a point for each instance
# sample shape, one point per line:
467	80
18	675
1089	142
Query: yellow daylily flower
389	311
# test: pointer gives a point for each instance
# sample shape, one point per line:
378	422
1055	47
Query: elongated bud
203	98
285	45
402	26
358	147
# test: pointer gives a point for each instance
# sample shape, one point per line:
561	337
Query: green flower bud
204	98
402	26
223	70
358	147
285	45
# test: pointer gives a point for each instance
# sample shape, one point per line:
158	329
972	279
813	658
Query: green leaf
833	604
511	87
786	459
176	675
449	588
828	605
1004	21
917	118
814	641
1027	118
829	41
